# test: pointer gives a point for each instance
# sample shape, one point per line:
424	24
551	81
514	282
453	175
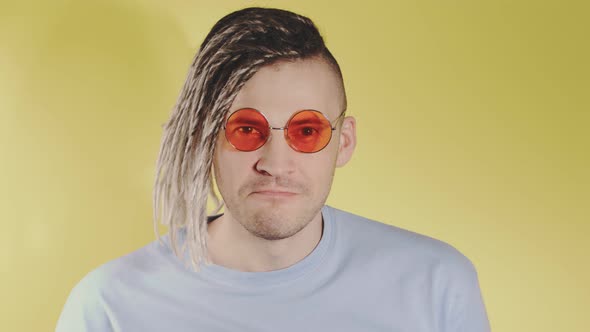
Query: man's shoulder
118	273
381	253
92	299
372	238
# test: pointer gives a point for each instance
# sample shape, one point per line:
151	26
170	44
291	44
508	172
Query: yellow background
472	117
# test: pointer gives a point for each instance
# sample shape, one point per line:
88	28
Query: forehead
280	89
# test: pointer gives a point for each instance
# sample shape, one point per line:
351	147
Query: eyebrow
246	122
298	122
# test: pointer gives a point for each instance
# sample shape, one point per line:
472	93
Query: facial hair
275	220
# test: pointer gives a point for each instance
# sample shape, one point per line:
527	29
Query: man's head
273	61
275	191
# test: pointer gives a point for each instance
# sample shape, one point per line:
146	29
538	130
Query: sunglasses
307	131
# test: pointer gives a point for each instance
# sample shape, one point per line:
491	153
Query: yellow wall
472	121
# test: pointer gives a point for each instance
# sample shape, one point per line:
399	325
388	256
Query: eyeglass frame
284	129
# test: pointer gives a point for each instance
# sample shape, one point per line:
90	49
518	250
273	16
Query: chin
274	233
274	225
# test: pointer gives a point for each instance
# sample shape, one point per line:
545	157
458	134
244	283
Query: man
263	114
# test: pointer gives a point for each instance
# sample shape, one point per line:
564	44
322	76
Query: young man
263	114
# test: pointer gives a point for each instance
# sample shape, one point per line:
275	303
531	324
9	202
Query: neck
230	245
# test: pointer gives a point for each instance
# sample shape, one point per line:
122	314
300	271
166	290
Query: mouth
273	193
276	193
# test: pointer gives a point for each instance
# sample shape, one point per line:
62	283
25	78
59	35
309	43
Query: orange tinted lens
246	129
309	131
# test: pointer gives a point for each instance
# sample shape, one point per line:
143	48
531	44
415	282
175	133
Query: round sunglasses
307	131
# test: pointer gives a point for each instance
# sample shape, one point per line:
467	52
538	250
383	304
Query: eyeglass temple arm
338	118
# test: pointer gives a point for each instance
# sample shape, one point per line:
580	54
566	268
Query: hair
237	46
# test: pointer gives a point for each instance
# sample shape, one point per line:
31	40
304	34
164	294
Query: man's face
275	191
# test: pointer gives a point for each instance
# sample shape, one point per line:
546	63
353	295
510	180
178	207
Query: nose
276	156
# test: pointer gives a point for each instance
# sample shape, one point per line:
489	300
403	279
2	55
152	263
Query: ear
347	141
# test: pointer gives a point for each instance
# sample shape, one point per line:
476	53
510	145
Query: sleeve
84	310
464	308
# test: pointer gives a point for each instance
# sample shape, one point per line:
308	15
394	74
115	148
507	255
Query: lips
274	192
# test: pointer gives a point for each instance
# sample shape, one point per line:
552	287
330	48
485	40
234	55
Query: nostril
260	169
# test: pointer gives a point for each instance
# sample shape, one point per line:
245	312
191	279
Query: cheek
320	171
223	163
232	168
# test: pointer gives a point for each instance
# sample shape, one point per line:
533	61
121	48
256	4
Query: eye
245	130
308	131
